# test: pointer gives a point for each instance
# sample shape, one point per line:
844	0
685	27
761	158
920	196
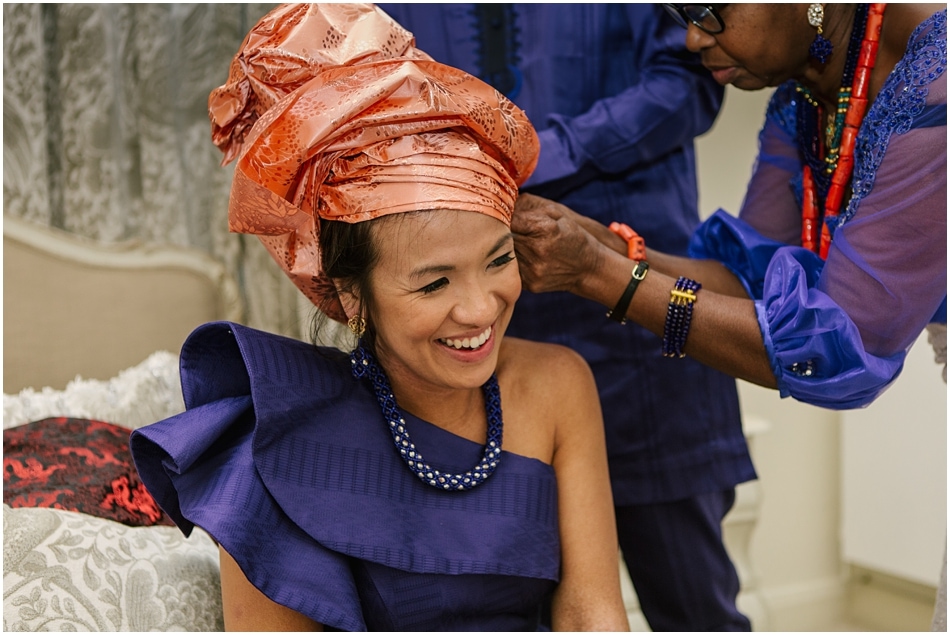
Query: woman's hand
557	248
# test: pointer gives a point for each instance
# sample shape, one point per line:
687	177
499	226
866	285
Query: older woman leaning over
838	259
441	476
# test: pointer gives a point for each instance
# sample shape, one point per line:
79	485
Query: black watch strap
619	312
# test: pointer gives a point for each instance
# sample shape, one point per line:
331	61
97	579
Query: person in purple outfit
617	101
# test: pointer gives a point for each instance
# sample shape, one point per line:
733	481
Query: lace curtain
106	133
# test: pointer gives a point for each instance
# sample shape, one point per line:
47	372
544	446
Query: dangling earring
821	46
360	358
357	324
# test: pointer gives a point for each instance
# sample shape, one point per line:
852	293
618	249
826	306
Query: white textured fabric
137	396
66	571
939	623
937	336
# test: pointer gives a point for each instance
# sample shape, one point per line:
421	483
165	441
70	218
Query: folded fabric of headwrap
332	113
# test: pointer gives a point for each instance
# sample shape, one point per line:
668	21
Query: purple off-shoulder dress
837	332
284	458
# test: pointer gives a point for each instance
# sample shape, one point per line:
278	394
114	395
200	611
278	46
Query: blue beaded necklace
363	364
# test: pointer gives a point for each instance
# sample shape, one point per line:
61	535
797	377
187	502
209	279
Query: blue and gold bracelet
679	314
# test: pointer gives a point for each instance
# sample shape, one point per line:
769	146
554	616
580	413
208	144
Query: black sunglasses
703	16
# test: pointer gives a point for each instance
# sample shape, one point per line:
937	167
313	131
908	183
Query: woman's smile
468	342
470	350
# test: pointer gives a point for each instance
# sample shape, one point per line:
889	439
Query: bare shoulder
549	397
543	369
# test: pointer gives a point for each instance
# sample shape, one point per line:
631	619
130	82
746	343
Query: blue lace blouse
837	332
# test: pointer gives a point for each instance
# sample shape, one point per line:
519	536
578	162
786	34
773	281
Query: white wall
894	475
795	550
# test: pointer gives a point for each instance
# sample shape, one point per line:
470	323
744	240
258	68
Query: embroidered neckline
497	47
901	99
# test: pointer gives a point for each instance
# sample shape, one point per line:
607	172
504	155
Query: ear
349	300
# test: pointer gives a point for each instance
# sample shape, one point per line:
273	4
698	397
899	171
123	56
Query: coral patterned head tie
332	113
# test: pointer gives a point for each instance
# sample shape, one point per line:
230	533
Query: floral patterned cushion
78	465
68	571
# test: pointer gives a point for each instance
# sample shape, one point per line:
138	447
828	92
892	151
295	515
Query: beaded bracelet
636	246
619	312
679	314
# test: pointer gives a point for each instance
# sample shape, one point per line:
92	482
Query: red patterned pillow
78	465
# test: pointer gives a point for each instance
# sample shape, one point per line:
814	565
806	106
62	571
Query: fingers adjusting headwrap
333	113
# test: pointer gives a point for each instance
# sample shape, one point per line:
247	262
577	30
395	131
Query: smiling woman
441	476
438	304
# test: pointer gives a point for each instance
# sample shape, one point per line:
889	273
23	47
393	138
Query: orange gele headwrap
333	113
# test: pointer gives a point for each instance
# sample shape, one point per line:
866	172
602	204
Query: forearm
711	274
560	250
724	332
587	614
670	98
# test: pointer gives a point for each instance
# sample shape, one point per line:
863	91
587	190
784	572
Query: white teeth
469	342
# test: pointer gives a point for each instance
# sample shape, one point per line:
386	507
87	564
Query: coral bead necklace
835	157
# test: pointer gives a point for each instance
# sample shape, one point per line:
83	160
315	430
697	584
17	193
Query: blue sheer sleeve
815	349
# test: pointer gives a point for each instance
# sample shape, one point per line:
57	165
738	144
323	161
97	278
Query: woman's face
443	292
762	45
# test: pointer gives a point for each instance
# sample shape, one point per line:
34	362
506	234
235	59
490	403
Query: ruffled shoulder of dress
284	458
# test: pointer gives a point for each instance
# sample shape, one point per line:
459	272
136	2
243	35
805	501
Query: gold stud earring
357	324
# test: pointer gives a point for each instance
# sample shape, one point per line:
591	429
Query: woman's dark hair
348	255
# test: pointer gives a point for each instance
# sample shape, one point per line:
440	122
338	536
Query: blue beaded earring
821	46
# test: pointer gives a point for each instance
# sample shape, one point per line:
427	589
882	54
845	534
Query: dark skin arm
560	250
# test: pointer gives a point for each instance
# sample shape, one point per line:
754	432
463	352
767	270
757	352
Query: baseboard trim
882	602
811	606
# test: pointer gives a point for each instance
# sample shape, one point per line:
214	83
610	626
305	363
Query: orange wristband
636	246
